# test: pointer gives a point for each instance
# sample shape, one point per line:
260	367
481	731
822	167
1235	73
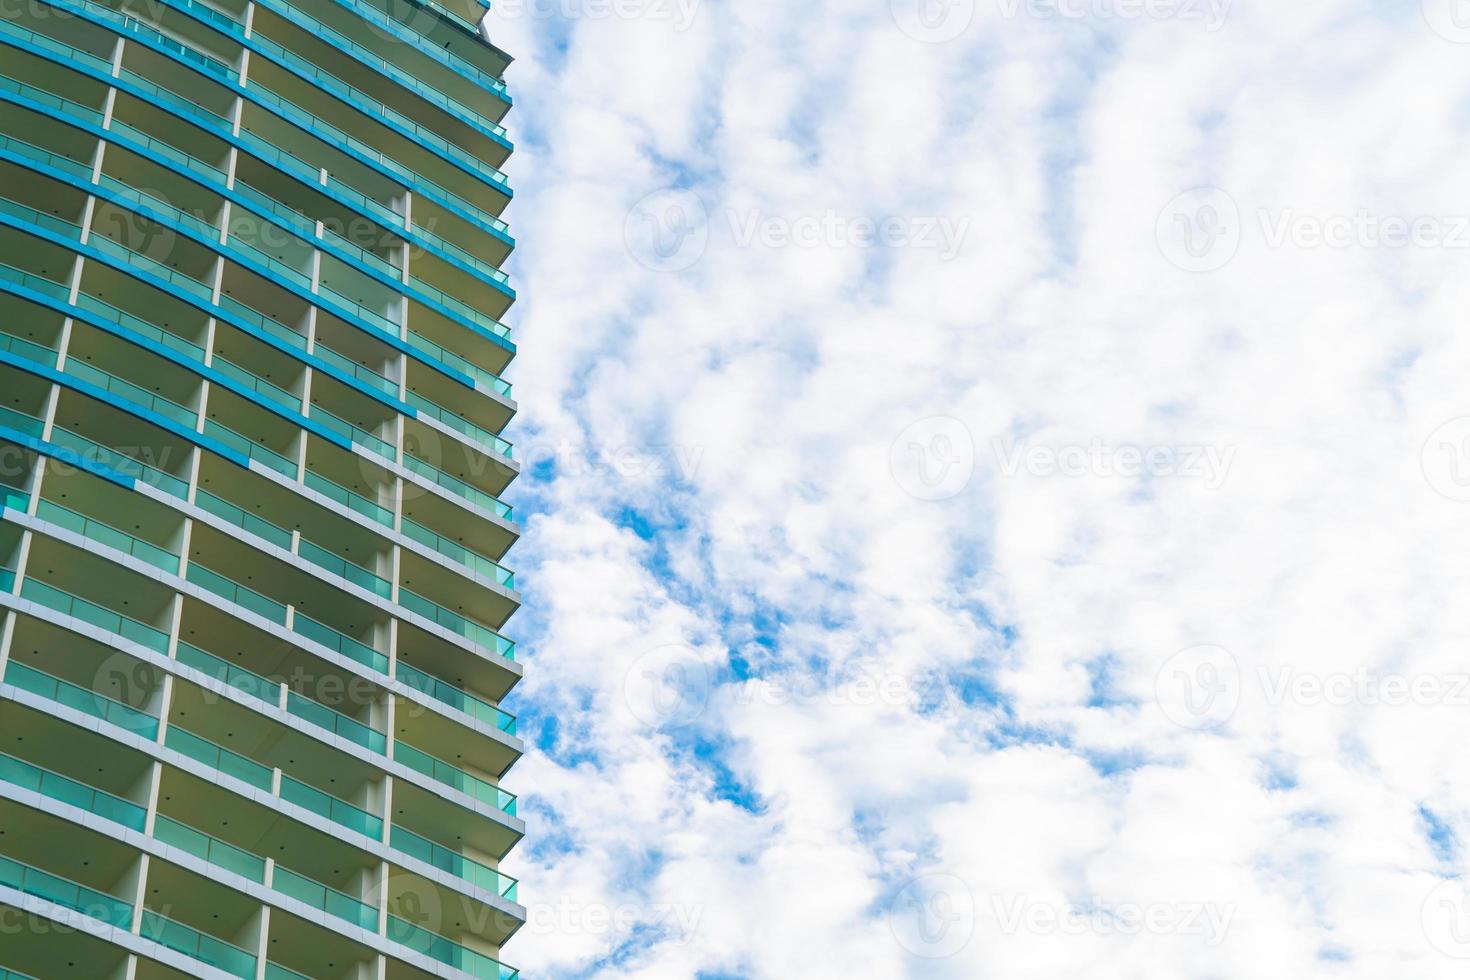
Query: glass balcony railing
40	219
126	256
155	148
447	951
457	362
329	900
250	448
326	805
245	681
110	382
455	697
455	305
218	757
106	534
350	367
344	569
32	152
353	501
274	971
7	580
483	438
40	284
338	724
81	699
240	595
209	849
454	777
452	250
143	202
163	338
99	616
263	323
14	499
423	44
65	790
474	561
120	462
380	322
29	350
476	633
354	434
21	422
454	863
61	106
198	945
340	643
456	486
245	521
372	60
251	382
69	894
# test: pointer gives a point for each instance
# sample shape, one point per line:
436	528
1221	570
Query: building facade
251	545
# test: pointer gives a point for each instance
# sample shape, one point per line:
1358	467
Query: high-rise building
252	533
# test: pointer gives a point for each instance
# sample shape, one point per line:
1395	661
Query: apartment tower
251	544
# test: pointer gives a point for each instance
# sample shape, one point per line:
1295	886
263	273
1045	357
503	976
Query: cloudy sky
998	477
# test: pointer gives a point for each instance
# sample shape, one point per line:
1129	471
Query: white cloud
733	426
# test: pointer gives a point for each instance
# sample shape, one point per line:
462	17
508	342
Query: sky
994	480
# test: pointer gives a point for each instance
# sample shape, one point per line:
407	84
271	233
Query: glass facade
252	474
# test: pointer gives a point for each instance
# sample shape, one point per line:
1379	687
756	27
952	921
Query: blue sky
994	470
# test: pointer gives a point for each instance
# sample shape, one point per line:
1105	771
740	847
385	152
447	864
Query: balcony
455	697
455	778
94	614
68	894
63	789
452	862
447	951
198	945
81	699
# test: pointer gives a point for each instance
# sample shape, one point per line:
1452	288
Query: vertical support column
140	893
7	634
262	924
155	785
